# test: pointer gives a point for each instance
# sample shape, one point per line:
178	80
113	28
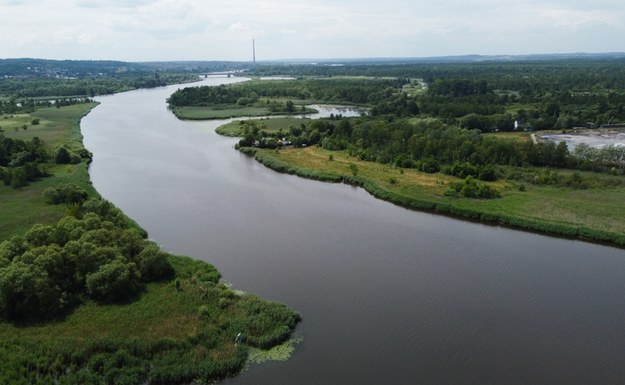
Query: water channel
388	296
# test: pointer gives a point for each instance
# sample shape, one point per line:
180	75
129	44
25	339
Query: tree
62	156
27	293
114	282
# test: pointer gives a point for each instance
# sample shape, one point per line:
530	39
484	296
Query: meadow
25	206
237	128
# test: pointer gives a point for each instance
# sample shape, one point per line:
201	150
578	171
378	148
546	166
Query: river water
388	296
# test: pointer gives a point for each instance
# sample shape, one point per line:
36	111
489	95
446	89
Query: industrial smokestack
254	51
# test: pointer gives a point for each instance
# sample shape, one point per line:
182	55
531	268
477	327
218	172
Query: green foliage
20	160
354	169
470	188
114	282
153	264
65	193
265	324
359	91
28	293
62	156
99	256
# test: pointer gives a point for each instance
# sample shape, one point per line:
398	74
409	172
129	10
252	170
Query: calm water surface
388	296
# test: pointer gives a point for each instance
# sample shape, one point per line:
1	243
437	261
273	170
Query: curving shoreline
159	332
432	206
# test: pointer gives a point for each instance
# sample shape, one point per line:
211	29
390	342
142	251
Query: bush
65	193
114	282
153	264
27	293
62	156
430	166
470	188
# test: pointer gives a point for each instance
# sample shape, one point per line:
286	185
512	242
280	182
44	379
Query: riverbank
228	112
175	331
236	129
590	214
26	206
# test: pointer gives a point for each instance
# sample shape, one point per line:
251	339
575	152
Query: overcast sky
147	30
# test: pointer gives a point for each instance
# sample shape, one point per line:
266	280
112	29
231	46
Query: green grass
57	125
593	213
519	137
25	206
207	113
272	125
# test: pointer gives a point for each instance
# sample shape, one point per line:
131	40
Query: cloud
222	29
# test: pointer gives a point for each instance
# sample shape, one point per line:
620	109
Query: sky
167	30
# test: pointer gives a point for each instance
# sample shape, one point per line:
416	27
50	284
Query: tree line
23	161
432	146
91	86
353	91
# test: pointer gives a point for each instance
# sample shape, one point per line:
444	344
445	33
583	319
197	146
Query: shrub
114	282
153	264
470	188
65	193
430	166
28	293
62	156
354	169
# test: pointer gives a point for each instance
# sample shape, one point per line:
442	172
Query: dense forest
537	75
434	117
38	78
91	86
487	96
353	91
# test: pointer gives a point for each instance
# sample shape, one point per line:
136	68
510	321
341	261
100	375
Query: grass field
596	213
235	129
207	113
25	206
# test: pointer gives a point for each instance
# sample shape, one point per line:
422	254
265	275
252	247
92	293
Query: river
388	295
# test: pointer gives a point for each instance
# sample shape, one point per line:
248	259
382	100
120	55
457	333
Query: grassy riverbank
25	206
179	331
275	97
231	111
594	213
237	128
175	331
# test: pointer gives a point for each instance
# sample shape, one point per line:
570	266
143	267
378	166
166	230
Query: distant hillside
43	68
34	68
